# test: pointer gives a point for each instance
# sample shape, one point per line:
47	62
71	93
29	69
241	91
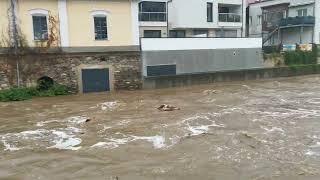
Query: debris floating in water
166	107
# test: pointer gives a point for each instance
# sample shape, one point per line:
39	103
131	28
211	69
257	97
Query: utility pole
15	36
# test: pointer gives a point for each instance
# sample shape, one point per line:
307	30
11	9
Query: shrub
15	94
20	94
300	57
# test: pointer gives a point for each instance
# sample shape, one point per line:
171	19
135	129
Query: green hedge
301	57
20	94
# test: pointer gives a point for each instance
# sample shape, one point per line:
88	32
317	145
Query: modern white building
191	18
285	21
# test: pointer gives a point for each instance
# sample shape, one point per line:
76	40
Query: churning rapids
241	130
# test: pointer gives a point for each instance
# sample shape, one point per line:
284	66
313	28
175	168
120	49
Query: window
222	33
40	27
100	28
152	11
259	19
200	33
152	33
162	70
209	12
177	33
224	9
302	12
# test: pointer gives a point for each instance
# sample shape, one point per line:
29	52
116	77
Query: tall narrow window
100	28
209	12
40	27
259	19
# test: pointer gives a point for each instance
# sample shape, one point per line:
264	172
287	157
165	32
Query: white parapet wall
177	56
167	44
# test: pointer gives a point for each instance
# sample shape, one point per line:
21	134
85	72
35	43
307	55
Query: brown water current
241	130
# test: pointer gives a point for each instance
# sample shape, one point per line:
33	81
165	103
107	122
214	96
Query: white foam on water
200	128
9	147
43	123
74	120
77	119
63	138
312	153
317	145
112	143
157	141
105	128
123	122
65	141
273	129
197	130
108	105
314	101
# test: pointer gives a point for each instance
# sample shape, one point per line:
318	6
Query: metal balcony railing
153	16
303	20
229	17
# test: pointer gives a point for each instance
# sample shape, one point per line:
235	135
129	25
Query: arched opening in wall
45	83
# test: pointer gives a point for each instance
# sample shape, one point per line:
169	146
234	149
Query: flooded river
241	130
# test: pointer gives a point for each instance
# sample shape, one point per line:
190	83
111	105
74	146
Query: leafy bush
20	94
300	57
15	94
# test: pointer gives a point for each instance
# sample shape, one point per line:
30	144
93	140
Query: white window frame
100	13
302	11
259	19
38	12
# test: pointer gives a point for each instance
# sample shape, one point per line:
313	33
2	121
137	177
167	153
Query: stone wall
63	68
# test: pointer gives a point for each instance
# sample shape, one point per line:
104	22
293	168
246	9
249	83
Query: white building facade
191	18
285	21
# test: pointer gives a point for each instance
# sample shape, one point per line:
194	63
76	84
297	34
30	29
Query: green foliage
15	94
301	57
20	94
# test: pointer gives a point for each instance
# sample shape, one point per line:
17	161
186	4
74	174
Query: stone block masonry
63	68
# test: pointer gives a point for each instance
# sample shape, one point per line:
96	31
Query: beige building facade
68	23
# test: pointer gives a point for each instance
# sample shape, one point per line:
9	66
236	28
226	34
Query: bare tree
15	43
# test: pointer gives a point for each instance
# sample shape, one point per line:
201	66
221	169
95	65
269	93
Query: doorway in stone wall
95	80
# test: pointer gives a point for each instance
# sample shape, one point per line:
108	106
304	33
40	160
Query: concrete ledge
241	75
60	50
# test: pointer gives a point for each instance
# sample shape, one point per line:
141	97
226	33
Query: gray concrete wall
198	61
242	75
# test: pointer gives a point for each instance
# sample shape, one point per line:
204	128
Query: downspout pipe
15	37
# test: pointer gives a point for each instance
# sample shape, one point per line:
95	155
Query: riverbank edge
227	76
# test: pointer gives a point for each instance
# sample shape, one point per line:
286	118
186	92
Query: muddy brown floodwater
241	130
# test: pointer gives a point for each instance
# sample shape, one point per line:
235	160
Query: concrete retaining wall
197	61
199	55
242	75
